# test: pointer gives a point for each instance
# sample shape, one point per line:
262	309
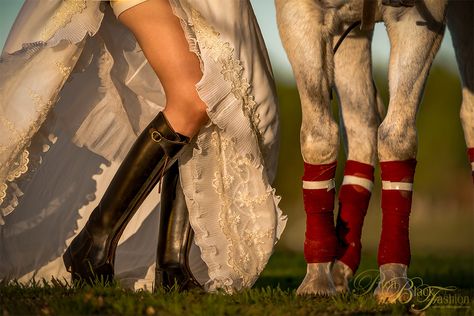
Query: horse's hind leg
461	25
306	39
415	36
359	122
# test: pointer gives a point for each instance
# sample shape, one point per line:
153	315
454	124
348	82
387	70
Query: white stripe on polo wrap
363	182
317	185
403	186
472	166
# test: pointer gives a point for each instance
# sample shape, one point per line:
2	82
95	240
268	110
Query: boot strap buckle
156	136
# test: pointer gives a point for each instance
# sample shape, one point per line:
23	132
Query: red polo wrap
321	241
394	244
353	204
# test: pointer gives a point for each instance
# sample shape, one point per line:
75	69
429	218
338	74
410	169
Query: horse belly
350	11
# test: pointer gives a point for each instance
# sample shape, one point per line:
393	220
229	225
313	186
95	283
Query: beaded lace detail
63	69
18	157
239	209
232	68
62	17
18	163
246	211
18	166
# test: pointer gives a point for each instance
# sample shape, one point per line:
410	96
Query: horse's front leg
304	30
415	36
461	24
360	109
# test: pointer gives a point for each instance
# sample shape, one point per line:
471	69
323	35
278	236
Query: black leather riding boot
91	254
175	237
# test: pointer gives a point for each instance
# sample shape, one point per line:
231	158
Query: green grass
273	294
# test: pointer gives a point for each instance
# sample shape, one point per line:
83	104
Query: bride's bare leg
159	33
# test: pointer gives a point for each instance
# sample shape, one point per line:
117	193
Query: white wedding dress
76	90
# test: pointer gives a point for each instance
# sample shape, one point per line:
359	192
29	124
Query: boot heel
67	259
175	237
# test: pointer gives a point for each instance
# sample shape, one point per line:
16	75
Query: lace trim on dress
239	200
19	166
232	68
18	163
62	17
72	21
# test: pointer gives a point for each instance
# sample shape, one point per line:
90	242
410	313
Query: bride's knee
186	116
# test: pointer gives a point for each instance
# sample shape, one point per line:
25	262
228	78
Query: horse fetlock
319	142
467	117
318	280
397	141
361	144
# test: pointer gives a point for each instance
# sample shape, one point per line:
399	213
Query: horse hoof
341	274
394	285
318	280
